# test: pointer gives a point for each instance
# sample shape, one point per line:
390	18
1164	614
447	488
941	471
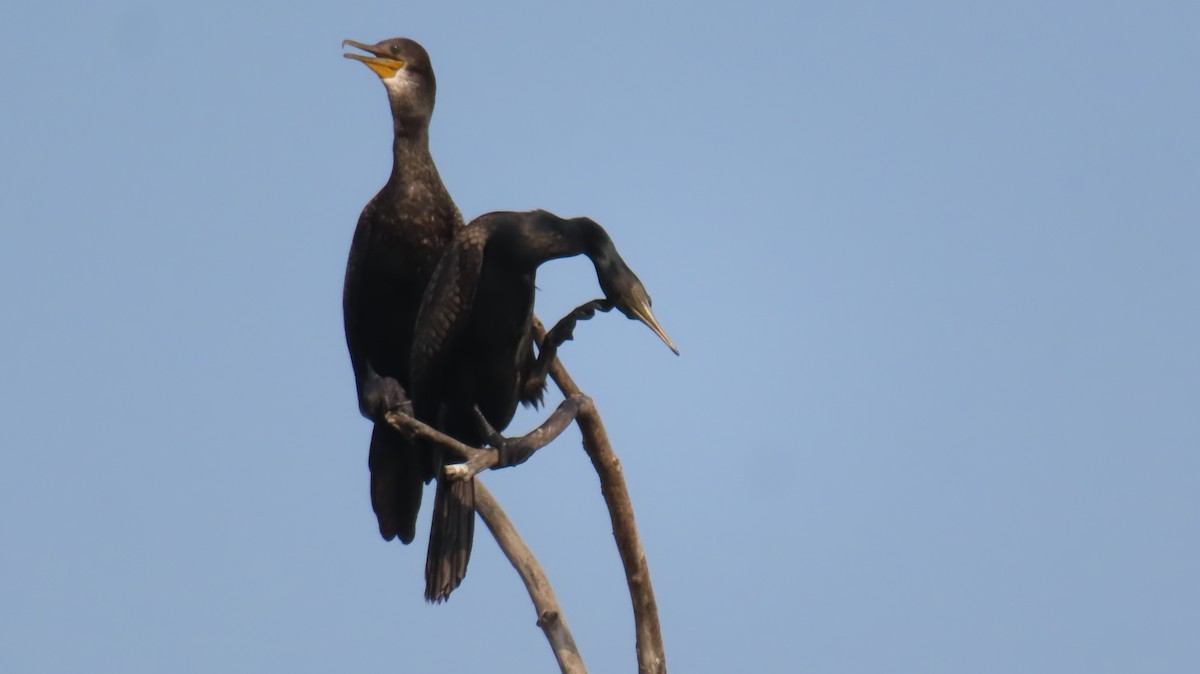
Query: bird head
404	68
622	287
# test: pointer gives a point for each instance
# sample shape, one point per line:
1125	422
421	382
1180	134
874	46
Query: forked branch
550	615
650	653
512	451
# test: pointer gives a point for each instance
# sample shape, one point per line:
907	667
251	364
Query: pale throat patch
401	81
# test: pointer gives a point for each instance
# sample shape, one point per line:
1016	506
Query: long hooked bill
383	63
370	48
642	313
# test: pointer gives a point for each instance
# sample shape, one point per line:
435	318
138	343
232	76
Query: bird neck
607	263
410	133
547	237
410	158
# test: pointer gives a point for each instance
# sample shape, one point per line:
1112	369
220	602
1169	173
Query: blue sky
933	270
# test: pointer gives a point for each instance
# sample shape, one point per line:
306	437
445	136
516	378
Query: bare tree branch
410	426
515	451
550	616
650	654
478	459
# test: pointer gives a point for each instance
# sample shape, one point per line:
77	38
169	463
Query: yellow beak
384	64
641	311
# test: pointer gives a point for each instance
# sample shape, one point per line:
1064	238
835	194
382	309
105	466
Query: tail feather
450	537
396	482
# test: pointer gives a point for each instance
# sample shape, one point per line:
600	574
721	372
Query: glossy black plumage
473	345
400	237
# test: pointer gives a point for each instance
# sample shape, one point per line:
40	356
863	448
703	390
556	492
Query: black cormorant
400	237
473	345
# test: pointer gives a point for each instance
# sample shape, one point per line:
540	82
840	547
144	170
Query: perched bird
400	237
473	344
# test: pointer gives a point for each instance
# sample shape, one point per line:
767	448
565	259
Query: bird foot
490	434
564	329
515	451
380	395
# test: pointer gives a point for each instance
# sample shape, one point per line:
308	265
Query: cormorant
400	237
473	344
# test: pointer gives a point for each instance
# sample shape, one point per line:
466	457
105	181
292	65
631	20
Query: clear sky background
933	270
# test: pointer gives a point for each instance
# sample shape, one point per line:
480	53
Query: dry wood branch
476	459
550	616
515	451
512	451
650	654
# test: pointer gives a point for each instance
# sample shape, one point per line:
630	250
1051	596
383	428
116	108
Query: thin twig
650	654
550	616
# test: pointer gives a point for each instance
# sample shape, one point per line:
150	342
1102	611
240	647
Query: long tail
450	536
397	474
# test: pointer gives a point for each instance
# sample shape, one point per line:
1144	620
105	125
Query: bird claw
509	451
382	395
564	329
489	432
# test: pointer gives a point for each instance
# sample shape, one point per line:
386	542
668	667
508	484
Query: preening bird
401	235
473	343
